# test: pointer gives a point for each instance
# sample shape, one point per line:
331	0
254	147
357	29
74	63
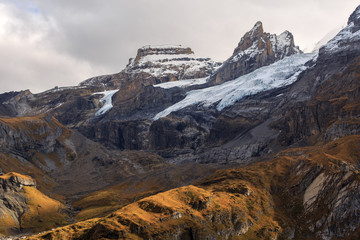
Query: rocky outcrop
13	203
13	181
14	104
342	205
255	49
18	195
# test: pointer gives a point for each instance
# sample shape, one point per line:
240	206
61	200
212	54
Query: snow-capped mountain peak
155	64
166	60
255	49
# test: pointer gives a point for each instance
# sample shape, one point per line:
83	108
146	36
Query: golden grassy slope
132	189
44	212
205	212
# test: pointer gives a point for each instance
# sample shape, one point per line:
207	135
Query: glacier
278	74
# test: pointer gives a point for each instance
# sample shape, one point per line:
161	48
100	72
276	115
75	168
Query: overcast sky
47	43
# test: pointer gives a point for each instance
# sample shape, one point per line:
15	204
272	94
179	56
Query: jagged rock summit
159	64
255	49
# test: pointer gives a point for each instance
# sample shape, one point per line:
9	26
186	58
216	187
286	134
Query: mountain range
265	145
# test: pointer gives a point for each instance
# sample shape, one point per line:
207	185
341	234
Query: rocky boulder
14	181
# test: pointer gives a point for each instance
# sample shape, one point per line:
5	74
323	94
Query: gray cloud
47	43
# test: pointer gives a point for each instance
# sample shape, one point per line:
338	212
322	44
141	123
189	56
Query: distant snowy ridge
106	100
163	46
345	35
330	35
351	33
278	74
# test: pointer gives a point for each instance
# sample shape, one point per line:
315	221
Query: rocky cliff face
255	49
30	137
324	187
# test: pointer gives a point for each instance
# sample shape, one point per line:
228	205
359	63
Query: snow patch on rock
182	83
106	100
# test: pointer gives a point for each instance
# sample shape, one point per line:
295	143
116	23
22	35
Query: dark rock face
29	135
70	105
143	101
120	134
334	104
178	132
255	49
59	156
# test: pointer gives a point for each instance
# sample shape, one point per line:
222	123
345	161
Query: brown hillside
278	198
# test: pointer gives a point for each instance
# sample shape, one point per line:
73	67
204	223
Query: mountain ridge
279	160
